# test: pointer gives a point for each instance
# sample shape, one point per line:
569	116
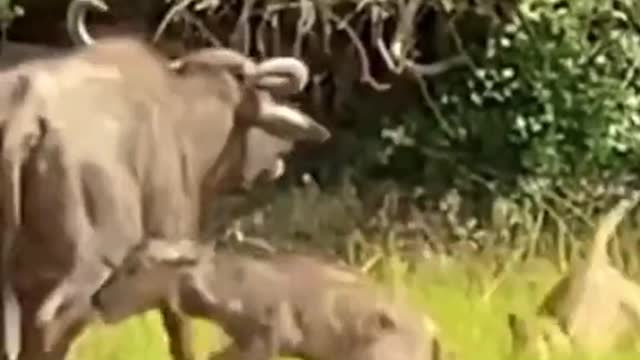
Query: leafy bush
563	77
555	95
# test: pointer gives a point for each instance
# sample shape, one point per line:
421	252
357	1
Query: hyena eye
131	269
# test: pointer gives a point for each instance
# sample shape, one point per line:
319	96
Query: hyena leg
255	350
178	329
231	352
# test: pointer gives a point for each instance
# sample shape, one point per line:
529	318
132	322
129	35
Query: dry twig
193	20
365	66
242	31
169	16
304	25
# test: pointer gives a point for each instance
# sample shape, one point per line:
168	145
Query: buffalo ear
287	122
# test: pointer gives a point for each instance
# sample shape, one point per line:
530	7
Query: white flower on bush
481	73
476	98
508	73
511	28
505	42
633	102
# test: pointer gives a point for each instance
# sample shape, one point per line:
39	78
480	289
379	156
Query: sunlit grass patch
142	337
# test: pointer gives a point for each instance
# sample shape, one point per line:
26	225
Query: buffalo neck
207	133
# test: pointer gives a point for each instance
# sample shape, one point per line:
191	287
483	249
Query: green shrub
556	94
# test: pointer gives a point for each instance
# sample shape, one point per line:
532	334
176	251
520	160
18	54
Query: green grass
470	309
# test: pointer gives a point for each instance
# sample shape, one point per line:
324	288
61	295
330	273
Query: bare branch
460	46
193	20
304	25
260	41
325	21
176	9
276	37
273	8
377	33
438	67
365	75
242	31
396	59
386	56
424	91
266	15
403	37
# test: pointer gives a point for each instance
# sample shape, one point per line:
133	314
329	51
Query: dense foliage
555	94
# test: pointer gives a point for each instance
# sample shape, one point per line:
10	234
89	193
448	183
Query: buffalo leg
65	323
10	324
179	333
33	336
61	348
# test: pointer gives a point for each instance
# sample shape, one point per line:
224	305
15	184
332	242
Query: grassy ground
470	308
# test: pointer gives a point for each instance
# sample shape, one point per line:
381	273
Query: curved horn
284	75
287	122
231	60
76	20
